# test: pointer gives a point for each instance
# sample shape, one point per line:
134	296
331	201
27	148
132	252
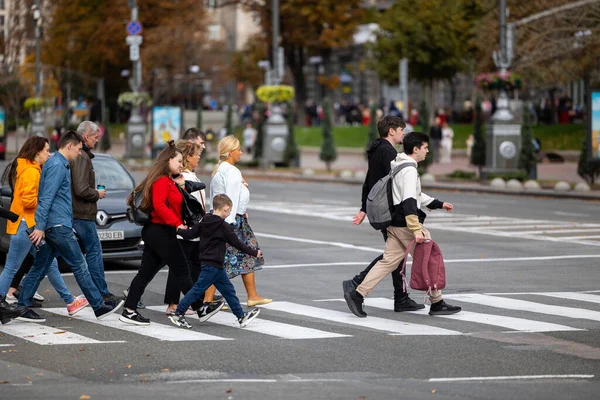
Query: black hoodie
214	232
380	154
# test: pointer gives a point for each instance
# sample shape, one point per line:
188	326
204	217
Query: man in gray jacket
85	199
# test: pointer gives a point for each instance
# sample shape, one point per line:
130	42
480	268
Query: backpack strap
393	173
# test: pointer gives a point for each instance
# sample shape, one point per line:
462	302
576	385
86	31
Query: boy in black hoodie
214	233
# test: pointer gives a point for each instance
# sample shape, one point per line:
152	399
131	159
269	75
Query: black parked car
121	240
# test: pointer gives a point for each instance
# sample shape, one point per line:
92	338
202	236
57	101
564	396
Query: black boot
10	311
355	303
405	303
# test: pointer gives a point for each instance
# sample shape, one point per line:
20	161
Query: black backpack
135	214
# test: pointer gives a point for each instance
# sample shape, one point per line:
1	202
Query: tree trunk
326	59
295	59
554	116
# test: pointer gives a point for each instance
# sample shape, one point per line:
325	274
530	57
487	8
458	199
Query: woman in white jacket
227	179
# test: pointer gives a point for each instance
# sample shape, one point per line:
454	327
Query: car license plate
111	235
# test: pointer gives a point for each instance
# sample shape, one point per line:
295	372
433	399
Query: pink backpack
427	272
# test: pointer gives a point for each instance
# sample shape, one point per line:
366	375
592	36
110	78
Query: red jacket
166	202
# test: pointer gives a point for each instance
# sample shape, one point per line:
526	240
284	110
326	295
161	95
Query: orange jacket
25	194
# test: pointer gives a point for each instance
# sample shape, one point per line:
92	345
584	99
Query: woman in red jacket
162	196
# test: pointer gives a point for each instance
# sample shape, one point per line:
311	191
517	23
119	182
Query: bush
460	174
521	176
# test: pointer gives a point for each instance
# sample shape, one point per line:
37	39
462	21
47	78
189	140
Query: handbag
192	211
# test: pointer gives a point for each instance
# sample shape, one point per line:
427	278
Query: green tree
527	158
328	152
588	170
229	119
291	149
424	118
478	151
373	134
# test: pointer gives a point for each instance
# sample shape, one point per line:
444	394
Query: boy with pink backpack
405	227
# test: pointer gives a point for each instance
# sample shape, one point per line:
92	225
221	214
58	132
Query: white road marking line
315	265
259	380
580	237
266	327
590	298
523	305
323	242
517	324
569	214
7	345
380	324
505	378
169	333
46	335
558	231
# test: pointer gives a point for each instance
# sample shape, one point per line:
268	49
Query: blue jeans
20	245
60	240
212	276
86	230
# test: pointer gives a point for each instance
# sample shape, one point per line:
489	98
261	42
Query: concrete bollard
346	174
308	172
427	178
360	175
562	186
498	183
514	184
582	187
531	185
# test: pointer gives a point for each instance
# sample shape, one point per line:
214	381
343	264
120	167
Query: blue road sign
134	28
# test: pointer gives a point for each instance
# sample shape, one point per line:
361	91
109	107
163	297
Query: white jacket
228	180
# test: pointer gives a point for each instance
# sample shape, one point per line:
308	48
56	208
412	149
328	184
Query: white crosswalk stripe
533	229
271	328
155	330
481	312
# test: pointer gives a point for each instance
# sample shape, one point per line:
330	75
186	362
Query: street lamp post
37	124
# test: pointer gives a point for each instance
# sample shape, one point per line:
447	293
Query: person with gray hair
85	208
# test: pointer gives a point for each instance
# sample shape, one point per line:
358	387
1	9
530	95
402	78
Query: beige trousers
395	249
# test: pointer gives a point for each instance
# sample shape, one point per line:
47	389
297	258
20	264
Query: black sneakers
112	298
407	304
140	305
180	320
210	309
133	318
31	316
10	311
442	308
355	303
349	285
248	317
108	308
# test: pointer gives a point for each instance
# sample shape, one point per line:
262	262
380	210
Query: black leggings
23	270
192	253
161	247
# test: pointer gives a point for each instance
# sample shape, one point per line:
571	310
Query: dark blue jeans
60	240
212	276
88	233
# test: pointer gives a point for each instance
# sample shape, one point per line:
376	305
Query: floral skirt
237	262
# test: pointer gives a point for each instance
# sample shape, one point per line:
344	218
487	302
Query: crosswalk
586	233
327	319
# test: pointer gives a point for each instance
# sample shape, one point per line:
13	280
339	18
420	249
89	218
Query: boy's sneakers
442	308
77	305
210	309
180	320
133	318
108	308
248	317
31	316
407	304
140	305
355	303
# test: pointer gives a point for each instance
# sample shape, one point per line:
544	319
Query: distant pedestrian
249	138
85	205
407	225
435	133
214	235
54	224
446	144
227	179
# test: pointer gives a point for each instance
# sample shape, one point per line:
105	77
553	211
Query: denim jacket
55	206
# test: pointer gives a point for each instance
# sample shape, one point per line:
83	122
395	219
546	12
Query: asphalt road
525	271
